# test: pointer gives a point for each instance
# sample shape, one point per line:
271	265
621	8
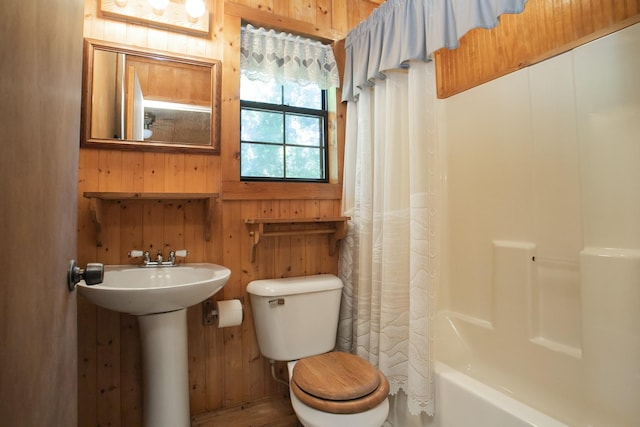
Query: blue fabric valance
400	31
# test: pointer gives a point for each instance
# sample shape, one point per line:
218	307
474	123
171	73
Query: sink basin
136	290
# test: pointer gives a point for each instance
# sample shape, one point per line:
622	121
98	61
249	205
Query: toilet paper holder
209	312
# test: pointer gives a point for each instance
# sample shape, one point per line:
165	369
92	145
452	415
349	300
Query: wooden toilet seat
338	382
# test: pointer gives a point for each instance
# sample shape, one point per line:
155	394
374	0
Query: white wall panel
557	208
607	84
489	183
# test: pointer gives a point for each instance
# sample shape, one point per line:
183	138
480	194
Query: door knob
92	274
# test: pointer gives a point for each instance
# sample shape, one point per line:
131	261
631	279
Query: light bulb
159	5
195	8
146	133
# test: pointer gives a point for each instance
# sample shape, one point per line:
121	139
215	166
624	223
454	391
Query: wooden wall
546	28
225	367
180	83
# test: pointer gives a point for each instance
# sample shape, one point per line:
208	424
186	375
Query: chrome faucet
159	261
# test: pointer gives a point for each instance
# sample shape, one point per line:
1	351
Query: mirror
140	99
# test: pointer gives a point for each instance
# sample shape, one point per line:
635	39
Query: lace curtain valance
400	31
267	55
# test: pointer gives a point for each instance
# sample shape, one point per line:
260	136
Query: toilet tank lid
294	285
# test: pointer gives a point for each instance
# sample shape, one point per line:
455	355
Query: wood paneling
225	366
176	82
546	28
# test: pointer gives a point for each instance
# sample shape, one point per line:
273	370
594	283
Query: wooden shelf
335	228
97	197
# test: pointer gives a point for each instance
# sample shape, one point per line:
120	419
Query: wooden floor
275	411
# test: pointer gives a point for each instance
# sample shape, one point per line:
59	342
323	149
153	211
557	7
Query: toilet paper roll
229	313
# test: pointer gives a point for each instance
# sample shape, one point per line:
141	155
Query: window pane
257	91
261	126
309	96
304	163
261	161
303	130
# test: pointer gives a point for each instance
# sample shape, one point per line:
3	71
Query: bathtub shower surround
541	296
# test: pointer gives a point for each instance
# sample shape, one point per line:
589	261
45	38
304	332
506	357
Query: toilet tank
296	317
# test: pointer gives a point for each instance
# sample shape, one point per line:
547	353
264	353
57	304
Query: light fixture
190	16
195	8
175	106
159	6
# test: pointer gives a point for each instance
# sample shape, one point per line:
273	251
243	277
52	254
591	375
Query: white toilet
296	320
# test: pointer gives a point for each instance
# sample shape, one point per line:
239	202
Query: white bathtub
462	401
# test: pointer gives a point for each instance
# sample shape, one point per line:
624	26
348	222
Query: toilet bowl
338	390
296	320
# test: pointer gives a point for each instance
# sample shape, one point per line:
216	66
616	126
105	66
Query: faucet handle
179	253
137	253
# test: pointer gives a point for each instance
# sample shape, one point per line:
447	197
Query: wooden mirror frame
86	140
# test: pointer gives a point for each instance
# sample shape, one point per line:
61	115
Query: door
134	106
40	92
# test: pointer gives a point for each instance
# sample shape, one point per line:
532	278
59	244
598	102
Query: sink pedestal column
165	369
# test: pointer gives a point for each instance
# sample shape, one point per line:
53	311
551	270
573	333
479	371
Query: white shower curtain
389	260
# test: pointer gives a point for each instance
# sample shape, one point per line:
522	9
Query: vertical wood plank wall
544	29
225	367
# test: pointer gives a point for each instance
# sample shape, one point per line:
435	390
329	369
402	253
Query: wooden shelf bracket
95	207
334	228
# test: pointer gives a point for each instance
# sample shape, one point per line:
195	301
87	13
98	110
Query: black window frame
285	109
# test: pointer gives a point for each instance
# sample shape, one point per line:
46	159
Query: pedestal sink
159	296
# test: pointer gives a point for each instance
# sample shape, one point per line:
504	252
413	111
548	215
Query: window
283	131
284	88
